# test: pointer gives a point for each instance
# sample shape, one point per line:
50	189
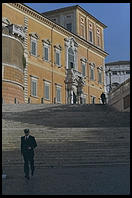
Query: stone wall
120	97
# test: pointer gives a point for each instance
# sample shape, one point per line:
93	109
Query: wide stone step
73	161
55	107
63	115
67	135
74	136
75	131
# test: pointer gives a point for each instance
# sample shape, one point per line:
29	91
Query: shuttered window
47	90
58	94
69	27
91	73
33	87
100	76
83	69
57	58
46	53
90	36
34	47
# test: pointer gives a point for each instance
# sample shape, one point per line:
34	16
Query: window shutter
33	48
46	53
46	91
90	36
57	58
69	26
83	69
100	76
92	74
58	94
34	88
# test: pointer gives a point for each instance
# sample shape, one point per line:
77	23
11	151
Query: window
46	90
98	31
46	48
57	58
91	73
82	20
100	77
58	94
71	58
90	25
46	53
57	52
98	37
69	27
127	72
33	86
90	36
68	16
83	69
98	40
114	72
82	30
54	19
33	47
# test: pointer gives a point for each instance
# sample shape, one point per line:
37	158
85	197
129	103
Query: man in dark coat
28	143
103	98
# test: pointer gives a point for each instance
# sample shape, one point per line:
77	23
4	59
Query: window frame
83	64
114	73
70	27
47	84
33	40
93	70
90	31
82	30
100	76
45	46
98	41
34	80
57	51
58	87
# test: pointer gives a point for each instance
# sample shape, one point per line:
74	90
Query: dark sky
116	16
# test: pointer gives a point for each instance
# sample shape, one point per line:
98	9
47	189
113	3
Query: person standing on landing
28	143
103	98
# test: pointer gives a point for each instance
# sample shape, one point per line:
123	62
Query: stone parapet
120	97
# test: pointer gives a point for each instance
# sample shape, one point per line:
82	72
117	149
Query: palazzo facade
51	57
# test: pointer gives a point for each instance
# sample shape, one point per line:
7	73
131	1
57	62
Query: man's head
26	131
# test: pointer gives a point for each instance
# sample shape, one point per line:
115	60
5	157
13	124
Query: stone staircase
67	135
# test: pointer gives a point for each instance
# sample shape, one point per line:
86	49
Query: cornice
29	11
92	17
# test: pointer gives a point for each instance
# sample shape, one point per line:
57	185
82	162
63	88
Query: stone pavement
89	180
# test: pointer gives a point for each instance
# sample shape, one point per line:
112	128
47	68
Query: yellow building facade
64	55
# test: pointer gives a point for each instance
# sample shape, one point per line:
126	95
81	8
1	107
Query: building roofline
102	24
118	63
60	9
74	7
49	20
